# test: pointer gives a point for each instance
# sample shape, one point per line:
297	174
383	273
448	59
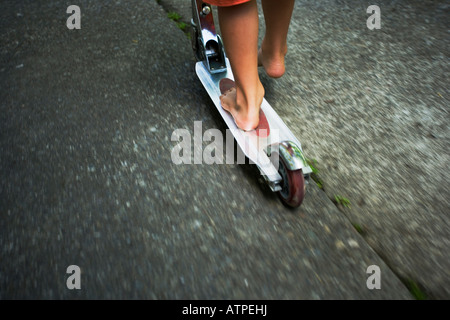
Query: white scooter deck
254	146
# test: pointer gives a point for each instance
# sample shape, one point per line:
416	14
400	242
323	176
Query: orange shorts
225	3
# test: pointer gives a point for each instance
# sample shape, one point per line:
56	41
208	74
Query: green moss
342	201
173	16
415	290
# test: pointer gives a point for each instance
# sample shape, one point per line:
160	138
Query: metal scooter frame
206	43
208	48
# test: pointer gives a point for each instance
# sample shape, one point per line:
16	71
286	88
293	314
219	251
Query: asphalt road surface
87	176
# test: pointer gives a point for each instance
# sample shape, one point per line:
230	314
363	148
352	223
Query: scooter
272	147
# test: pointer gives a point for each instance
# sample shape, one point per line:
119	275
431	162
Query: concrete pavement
87	177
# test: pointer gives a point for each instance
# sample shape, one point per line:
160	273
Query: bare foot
273	62
246	116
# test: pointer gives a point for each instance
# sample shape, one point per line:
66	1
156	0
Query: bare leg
277	15
239	27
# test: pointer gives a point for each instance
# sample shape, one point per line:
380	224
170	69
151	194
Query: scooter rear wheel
293	185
